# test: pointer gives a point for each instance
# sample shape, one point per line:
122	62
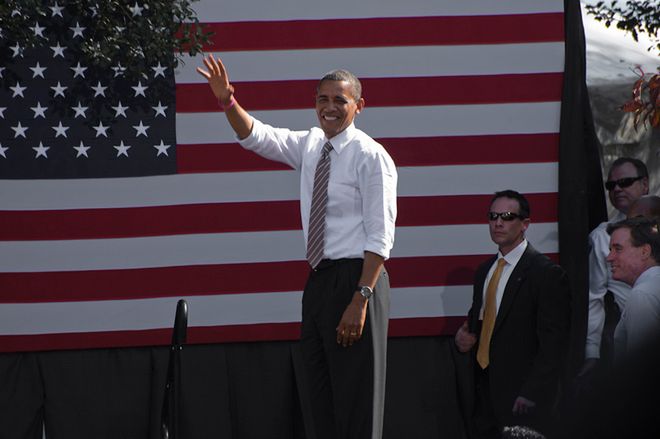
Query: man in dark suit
517	328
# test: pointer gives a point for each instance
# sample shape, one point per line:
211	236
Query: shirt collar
620	216
648	273
514	255
341	140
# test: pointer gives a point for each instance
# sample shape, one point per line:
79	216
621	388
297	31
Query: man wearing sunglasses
626	182
517	328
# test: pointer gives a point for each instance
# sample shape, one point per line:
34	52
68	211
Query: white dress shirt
600	281
361	208
512	258
640	320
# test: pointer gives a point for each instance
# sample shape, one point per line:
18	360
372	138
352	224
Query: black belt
329	263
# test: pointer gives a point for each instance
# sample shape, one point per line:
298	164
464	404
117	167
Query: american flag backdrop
119	197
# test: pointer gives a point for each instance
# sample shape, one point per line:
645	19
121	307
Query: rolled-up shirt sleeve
377	182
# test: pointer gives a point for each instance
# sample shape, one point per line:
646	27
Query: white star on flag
56	10
162	148
160	109
19	130
159	70
80	110
58	50
82	149
78	70
60	130
18	90
41	150
118	69
39	111
122	149
18	50
99	90
141	129
120	110
3	149
77	30
139	89
38	30
101	130
37	70
136	10
59	89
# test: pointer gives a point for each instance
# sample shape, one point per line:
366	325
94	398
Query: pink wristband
231	104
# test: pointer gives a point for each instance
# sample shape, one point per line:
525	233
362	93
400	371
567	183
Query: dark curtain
255	390
241	390
581	197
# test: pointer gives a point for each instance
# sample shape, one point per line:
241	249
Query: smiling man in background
635	260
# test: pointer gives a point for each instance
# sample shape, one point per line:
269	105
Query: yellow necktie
490	313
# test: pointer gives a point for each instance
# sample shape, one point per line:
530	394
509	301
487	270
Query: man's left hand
523	406
351	324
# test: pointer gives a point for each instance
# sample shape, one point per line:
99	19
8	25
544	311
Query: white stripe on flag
377	62
226	309
228	187
237	248
254	10
431	120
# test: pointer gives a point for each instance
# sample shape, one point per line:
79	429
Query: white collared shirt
361	208
640	320
511	259
600	282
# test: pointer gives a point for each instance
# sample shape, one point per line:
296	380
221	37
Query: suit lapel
513	285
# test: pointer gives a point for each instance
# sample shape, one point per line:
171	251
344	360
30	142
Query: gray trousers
346	384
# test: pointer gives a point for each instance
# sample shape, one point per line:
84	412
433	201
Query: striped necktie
490	314
316	233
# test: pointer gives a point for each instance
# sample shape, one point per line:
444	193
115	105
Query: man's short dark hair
639	165
523	204
343	75
642	231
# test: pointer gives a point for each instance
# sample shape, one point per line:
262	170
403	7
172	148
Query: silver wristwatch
366	292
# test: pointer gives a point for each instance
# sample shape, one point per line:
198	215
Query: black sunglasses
506	216
622	182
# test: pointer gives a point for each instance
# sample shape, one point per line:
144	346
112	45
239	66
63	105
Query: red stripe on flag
235	217
208	334
380	32
408	151
383	92
425	326
201	280
437	270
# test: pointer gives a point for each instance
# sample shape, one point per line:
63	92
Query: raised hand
216	75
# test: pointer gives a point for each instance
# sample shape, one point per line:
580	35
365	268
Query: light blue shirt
640	320
600	282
